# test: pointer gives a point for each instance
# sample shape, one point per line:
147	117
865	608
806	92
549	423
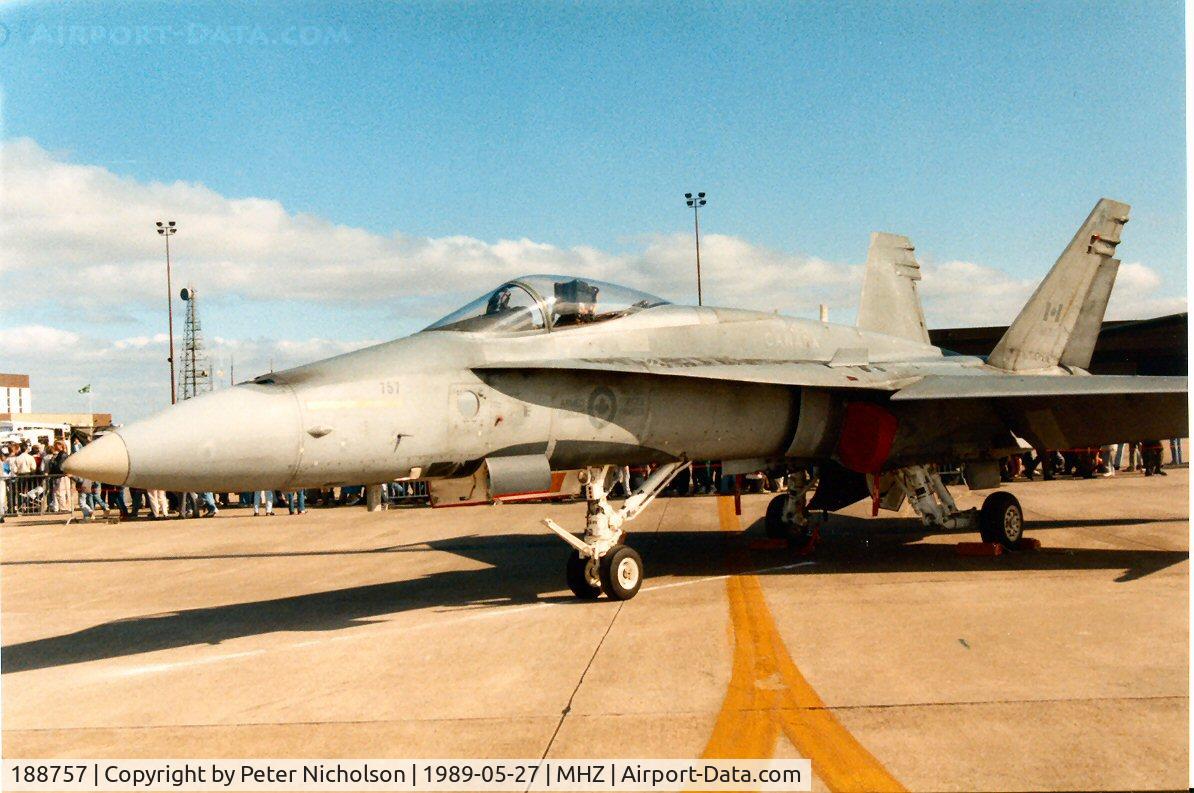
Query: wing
1064	412
999	386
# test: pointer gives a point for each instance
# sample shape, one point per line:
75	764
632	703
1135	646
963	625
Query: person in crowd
352	496
23	463
129	503
1029	463
1151	454
5	475
83	486
159	505
1175	450
263	497
209	503
90	497
1133	450
1107	463
60	489
1054	462
703	475
190	504
621	481
296	502
97	498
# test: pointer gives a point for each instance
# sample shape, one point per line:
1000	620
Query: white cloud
967	294
130	376
64	224
1135	294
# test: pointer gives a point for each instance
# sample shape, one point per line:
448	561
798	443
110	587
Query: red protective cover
868	432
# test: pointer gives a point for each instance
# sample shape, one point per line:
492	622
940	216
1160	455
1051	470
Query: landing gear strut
787	514
599	561
1001	519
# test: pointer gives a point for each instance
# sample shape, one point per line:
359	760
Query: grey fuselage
427	406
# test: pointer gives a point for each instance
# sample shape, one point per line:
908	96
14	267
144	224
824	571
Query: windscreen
510	308
539	302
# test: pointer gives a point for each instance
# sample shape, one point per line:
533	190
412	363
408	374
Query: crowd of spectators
1145	456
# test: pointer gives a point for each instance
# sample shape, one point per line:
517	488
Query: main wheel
773	523
578	579
1001	520
621	572
779	529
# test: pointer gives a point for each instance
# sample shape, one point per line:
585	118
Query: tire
799	536
777	529
621	572
1001	520
773	523
578	582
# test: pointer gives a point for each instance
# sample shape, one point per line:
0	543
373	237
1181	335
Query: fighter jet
547	383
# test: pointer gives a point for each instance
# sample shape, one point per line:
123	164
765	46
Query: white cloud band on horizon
67	224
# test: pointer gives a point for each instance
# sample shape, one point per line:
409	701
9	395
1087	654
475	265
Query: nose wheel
621	573
584	585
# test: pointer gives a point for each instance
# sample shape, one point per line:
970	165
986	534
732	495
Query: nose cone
106	460
242	438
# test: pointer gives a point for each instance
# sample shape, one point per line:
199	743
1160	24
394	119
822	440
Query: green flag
85	389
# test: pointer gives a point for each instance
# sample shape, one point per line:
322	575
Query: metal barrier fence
406	493
37	494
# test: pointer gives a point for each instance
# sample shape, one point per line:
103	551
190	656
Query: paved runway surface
886	658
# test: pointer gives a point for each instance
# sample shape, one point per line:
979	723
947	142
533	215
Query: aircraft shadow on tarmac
524	566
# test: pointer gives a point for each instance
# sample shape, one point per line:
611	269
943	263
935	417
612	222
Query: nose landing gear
599	561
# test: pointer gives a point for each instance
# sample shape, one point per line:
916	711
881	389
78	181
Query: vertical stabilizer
1061	321
889	302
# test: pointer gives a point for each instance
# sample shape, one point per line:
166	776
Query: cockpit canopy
546	302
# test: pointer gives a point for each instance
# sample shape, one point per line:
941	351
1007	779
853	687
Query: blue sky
983	131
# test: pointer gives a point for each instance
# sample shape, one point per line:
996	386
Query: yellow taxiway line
768	695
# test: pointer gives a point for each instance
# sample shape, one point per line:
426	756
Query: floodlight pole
696	222
696	202
167	230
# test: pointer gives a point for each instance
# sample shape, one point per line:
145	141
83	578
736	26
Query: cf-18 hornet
547	384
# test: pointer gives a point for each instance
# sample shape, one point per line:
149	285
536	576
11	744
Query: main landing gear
1001	519
599	562
787	514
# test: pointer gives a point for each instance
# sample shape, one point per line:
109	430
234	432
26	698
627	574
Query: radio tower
194	379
